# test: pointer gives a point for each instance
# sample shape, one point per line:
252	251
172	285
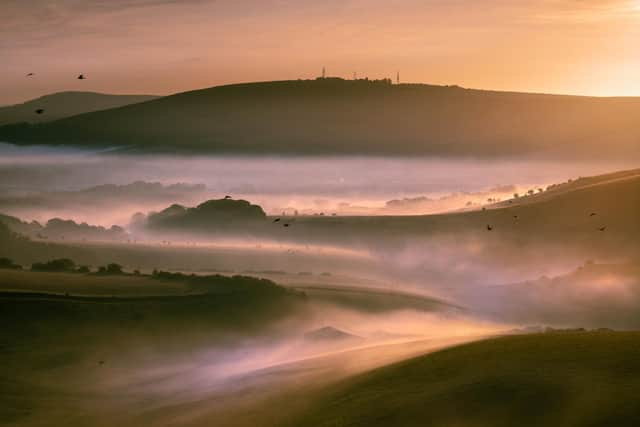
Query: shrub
9	264
83	269
112	268
57	265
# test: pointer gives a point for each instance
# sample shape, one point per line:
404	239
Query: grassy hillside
336	116
559	217
569	379
56	347
65	104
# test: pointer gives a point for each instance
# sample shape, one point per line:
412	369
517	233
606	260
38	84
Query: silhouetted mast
398	77
324	74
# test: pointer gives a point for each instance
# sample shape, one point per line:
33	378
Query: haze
298	236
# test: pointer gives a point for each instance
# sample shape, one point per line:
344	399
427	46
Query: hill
65	104
557	217
335	116
577	379
209	215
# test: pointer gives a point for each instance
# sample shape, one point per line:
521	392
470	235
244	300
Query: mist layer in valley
190	289
102	188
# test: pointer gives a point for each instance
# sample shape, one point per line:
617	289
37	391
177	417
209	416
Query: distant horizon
234	83
168	46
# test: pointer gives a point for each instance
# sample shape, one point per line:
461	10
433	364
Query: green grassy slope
560	379
356	117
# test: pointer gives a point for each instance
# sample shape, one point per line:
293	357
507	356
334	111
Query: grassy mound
568	379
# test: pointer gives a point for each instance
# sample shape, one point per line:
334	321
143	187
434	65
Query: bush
7	263
56	265
83	269
112	268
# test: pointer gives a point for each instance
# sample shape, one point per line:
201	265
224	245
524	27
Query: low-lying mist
44	182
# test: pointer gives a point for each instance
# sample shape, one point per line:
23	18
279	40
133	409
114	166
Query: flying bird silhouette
81	77
602	228
276	220
489	228
593	214
285	225
227	197
30	75
40	111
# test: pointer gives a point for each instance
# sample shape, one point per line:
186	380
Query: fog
343	185
372	285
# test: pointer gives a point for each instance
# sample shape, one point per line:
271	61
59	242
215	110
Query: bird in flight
276	220
515	217
602	228
489	228
285	225
593	214
40	111
81	77
227	197
30	75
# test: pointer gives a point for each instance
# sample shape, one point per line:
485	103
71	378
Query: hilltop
65	104
335	116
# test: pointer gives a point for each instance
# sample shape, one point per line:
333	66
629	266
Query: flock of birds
41	110
516	217
284	224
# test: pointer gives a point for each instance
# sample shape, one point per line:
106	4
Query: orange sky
163	46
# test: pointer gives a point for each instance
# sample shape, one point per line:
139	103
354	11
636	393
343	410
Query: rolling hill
577	379
335	116
595	212
65	104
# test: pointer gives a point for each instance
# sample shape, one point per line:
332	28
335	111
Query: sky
586	47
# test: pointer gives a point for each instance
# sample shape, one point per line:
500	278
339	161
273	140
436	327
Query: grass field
559	379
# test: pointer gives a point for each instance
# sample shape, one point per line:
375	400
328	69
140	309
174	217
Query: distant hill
335	116
60	229
570	212
65	104
329	333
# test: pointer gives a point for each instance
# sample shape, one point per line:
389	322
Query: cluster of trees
65	265
529	192
219	284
